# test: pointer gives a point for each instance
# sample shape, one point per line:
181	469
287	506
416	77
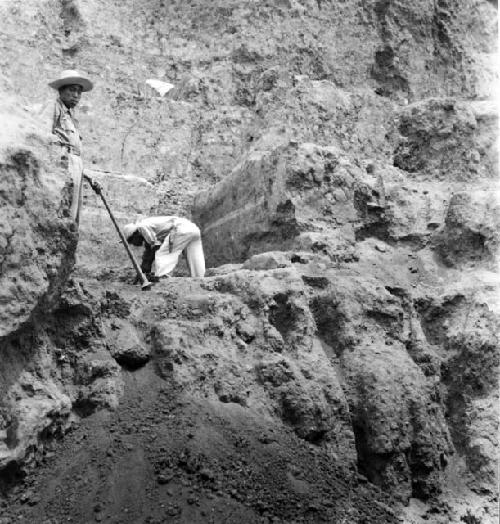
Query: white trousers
184	235
75	168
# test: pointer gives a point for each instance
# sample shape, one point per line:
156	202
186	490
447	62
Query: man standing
164	239
70	85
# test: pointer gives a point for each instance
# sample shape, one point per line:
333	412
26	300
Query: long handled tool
145	283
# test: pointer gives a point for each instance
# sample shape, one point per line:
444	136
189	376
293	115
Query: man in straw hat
70	86
164	238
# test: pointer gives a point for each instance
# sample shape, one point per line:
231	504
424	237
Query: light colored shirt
154	230
64	125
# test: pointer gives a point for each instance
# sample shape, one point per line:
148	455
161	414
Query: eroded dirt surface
162	457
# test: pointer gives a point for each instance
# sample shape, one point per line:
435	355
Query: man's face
70	95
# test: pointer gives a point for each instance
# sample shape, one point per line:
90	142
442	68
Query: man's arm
49	115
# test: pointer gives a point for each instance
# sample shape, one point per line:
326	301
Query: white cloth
154	230
173	235
75	168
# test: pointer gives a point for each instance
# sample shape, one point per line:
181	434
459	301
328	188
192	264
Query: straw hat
69	77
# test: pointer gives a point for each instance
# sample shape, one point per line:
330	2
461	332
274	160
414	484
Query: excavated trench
338	363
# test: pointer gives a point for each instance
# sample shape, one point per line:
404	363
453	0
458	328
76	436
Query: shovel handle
145	283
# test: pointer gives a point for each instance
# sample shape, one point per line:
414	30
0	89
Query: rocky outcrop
125	344
449	139
462	326
369	239
314	198
37	247
276	195
248	339
401	435
37	238
54	372
55	366
471	232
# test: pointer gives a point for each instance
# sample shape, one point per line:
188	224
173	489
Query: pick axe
145	283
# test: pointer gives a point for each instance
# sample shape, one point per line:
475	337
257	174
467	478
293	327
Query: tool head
146	286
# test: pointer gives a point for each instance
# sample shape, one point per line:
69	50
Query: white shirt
154	230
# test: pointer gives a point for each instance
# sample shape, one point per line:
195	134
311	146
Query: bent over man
70	86
164	239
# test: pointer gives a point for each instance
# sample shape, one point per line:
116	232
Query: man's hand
93	183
